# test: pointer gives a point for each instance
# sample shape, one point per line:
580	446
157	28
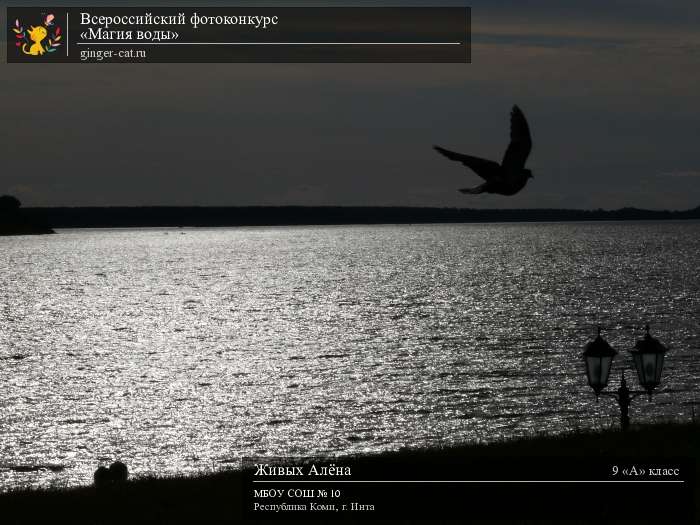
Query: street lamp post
648	356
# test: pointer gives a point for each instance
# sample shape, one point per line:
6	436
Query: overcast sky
611	90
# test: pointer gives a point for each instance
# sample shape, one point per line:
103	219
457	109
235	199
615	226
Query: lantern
598	356
648	355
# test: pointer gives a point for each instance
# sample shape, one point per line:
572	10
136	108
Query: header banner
238	34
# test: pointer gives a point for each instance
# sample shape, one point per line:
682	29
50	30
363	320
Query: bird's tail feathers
473	191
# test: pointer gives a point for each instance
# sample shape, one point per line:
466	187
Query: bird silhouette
508	177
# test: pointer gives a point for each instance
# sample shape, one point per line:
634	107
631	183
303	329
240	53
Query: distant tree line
114	217
16	221
9	203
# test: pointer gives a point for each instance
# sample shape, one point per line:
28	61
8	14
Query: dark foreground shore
217	498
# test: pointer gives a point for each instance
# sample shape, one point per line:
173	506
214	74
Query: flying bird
508	177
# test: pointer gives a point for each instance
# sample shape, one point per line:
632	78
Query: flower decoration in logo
35	41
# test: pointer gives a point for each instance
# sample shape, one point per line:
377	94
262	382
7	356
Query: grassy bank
217	498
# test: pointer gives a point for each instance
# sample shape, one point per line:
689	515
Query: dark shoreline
13	231
24	224
194	216
217	498
14	220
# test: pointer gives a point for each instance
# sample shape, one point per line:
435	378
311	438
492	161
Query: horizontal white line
269	43
472	481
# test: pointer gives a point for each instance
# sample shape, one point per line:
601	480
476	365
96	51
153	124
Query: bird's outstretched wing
520	142
484	168
474	191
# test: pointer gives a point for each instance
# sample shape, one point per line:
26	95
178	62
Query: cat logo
37	40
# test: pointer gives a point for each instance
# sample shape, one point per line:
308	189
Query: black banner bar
488	489
238	34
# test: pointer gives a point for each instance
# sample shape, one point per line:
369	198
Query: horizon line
352	206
